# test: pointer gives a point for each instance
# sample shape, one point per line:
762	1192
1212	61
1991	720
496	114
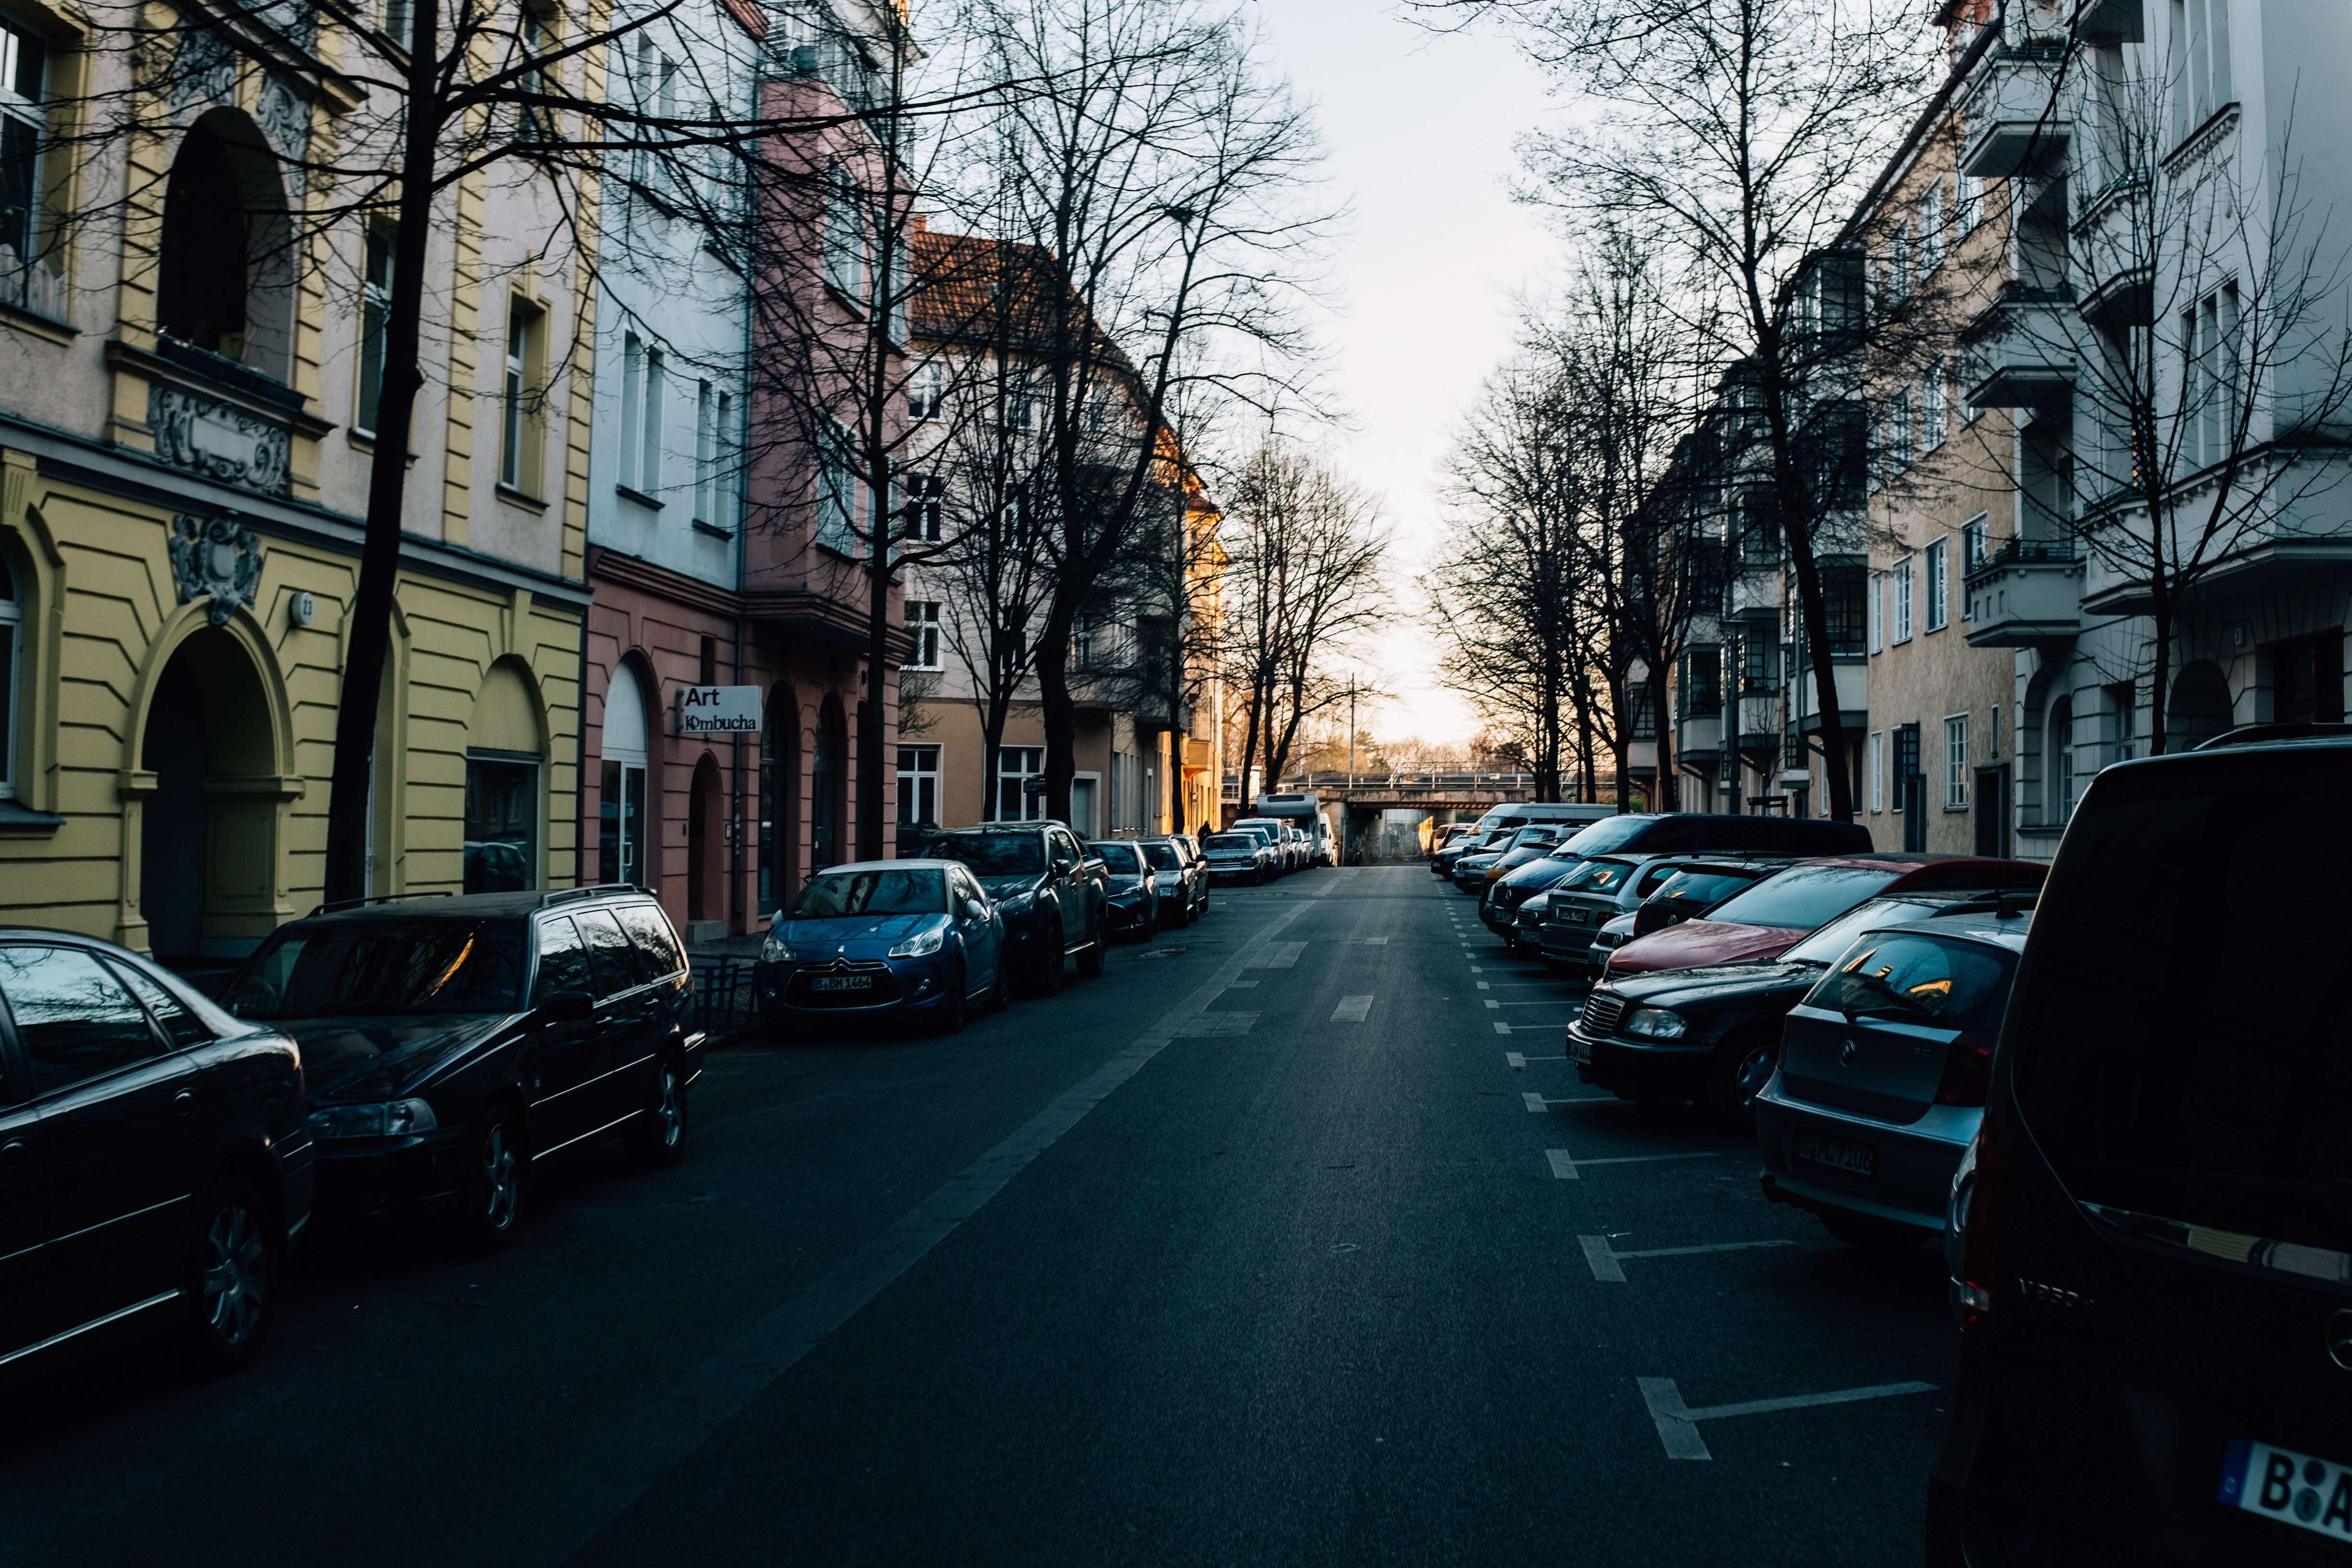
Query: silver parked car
1883	1072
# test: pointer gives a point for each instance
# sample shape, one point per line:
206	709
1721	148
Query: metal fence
722	994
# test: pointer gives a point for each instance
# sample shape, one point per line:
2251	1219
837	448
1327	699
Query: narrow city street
1291	1239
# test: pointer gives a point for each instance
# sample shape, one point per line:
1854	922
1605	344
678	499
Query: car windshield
1913	978
1706	887
1232	843
1535	837
1828	944
1119	857
1161	856
835	894
375	967
1609	833
1598	876
1802	897
990	854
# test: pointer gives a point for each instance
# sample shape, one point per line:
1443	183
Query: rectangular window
723	448
925	388
1877	609
923	627
1992	736
399	19
1878	770
844	236
702	453
1968	210
1906	764
1939	594
1015	766
501	846
1082	646
1020	402
925	524
837	501
519	430
919	785
1935	402
1844	590
649	453
1956	762
375	317
1931	227
1901	572
1973	544
1702	691
12	615
534	39
633	406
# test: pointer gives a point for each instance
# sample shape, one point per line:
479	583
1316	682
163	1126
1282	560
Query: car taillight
1979	1233
1968	1068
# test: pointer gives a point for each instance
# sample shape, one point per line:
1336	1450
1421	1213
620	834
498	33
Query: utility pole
1352	730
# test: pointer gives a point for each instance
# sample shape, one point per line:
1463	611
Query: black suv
154	1160
2154	1256
1048	889
451	1043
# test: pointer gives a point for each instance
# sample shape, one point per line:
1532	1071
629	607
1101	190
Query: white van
1518	813
1303	808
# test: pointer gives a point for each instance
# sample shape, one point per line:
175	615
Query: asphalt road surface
1262	1249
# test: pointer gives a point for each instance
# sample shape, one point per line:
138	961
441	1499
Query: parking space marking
1351	1009
1677	1423
1566	1169
1535	1101
1376	941
1491	1003
1515	1061
1501	1027
1276	955
1214	1026
1605	1259
1482	984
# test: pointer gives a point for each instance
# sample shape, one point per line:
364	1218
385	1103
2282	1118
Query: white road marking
1501	1027
1351	1009
1563	1169
1276	955
1677	1423
1475	970
1640	1159
1241	985
564	1509
1535	1101
1566	1169
1491	1003
1215	1027
1482	984
1376	941
1517	1062
1604	1262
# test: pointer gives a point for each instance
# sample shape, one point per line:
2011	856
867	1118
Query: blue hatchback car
883	939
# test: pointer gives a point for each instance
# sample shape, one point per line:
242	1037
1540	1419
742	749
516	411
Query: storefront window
501	824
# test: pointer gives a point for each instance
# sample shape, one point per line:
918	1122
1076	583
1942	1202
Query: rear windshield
1246	844
990	854
921	892
1702	886
1163	856
1598	876
1803	896
368	968
1539	836
1609	833
1828	944
1914	978
1118	858
2164	1077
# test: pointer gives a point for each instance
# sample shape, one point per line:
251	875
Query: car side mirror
974	909
567	1007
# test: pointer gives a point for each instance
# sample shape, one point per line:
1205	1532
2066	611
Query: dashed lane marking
1518	1060
1351	1009
1677	1423
1605	1259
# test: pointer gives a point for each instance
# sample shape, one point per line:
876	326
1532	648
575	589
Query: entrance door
1992	811
621	809
1082	807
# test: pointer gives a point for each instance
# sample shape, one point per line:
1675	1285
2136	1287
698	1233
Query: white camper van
1305	808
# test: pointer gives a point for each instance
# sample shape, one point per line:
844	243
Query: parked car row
1260	848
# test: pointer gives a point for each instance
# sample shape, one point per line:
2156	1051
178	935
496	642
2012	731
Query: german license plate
1579	1049
842	983
2291	1487
1854	1159
1570	917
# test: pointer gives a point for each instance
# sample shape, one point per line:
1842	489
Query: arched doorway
826	815
706	844
227	282
505	783
2200	708
780	800
207	833
621	800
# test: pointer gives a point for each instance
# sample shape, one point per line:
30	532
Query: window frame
1936	569
522	445
922	622
919	764
1955	762
1902	629
375	324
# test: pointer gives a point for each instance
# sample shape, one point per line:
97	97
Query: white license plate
1854	1159
842	983
1570	917
1579	1049
2291	1487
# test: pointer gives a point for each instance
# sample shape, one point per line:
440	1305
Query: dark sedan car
1183	879
1713	1033
1238	858
154	1160
1508	894
883	939
1570	921
1131	890
452	1045
1048	892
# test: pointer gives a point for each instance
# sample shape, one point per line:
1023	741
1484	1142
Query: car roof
911	863
1030	825
478	906
2299	736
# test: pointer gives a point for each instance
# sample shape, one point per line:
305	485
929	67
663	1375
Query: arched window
227	255
2059	775
621	830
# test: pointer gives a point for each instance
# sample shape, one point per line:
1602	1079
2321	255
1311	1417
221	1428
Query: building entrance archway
706	843
208	840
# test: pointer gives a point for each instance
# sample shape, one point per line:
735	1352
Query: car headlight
773	950
1656	1023
922	944
385	1119
1019	904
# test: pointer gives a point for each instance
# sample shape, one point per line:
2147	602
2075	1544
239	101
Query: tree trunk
870	719
1823	662
369	639
2162	589
1059	710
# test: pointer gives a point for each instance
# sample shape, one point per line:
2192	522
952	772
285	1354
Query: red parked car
1772	916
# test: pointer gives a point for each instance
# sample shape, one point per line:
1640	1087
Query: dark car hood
1543	872
375	1059
1120	883
1716	983
856	933
1001	888
1698	942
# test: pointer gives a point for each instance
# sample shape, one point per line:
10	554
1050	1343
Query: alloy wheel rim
236	1274
498	1170
1755	1072
672	1109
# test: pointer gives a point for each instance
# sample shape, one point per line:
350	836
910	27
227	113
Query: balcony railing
2021	350
2016	122
2027	593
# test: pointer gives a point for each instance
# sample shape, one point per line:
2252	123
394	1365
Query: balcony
2113	245
2021	350
1698	742
1851	674
2026	593
2016	125
1759	721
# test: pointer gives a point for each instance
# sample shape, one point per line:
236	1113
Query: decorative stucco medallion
217	557
218	440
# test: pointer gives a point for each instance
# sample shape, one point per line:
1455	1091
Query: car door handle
185	1102
12	1153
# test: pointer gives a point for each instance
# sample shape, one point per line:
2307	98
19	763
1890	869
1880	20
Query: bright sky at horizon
1424	283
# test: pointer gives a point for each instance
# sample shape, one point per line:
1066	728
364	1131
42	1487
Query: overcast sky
1420	130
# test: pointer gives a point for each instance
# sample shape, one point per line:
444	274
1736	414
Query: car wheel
1000	995
953	1012
229	1274
1868	1232
1742	1067
1049	978
493	1193
660	1133
1090	958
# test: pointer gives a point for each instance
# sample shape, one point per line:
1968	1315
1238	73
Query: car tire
496	1173
230	1274
1047	980
1090	957
660	1134
1743	1065
1868	1232
1000	995
949	1020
